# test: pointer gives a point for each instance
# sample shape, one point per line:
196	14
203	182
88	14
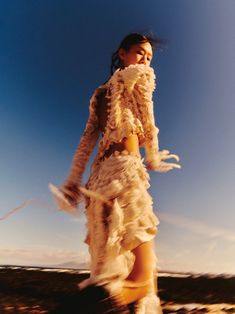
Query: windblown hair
131	40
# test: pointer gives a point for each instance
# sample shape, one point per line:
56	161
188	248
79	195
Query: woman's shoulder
130	76
134	73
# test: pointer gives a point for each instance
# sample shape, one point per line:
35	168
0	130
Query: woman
121	224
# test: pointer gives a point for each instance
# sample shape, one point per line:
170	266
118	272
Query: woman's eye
140	52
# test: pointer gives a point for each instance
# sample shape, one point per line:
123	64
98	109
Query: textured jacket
130	111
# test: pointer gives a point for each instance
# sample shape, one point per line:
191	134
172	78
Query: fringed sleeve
143	91
139	80
82	154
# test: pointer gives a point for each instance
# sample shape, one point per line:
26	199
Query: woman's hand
158	164
66	197
71	193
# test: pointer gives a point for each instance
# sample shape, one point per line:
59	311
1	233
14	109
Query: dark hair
131	40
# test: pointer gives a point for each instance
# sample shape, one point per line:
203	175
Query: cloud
43	255
211	247
198	227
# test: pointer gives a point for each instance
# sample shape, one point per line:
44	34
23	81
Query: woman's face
139	53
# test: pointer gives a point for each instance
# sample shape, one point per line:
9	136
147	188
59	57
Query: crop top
130	111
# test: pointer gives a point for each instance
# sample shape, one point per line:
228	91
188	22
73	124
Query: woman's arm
82	154
139	80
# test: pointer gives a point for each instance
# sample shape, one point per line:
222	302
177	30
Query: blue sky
53	55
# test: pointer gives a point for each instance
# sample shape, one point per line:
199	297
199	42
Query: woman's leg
142	273
143	266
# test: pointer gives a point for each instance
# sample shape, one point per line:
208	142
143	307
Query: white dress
119	209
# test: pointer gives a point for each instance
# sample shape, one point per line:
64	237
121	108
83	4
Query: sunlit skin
138	54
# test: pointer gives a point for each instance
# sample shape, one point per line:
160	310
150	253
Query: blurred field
38	290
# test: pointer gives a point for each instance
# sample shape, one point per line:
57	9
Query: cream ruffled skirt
119	218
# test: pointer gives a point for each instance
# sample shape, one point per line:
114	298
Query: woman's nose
144	60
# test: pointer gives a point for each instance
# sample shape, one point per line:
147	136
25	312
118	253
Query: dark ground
37	291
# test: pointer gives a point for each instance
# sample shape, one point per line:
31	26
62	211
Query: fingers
171	156
162	166
164	151
172	165
71	194
61	199
67	192
165	155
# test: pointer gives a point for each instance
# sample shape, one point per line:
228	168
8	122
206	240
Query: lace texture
119	218
118	207
130	107
87	143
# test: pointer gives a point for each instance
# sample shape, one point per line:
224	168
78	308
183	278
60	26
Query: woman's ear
121	53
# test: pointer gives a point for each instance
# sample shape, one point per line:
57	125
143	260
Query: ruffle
130	110
126	117
87	143
123	179
119	217
131	74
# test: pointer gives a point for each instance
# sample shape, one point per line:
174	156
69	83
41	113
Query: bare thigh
143	266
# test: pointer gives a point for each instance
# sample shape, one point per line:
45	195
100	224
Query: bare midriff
130	143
